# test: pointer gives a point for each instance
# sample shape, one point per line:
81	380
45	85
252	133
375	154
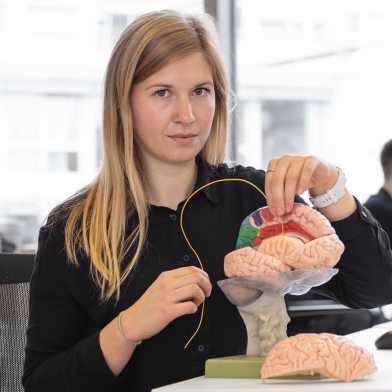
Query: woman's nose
184	113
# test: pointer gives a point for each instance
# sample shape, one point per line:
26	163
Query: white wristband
333	194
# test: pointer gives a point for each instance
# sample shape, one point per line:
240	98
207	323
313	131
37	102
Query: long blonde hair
99	215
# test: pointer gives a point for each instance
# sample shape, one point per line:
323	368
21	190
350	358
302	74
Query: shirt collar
205	174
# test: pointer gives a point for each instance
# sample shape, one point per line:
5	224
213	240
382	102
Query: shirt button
173	217
201	348
186	258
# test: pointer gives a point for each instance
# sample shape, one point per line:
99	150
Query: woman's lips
183	139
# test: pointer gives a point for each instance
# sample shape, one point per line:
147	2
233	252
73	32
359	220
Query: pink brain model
308	241
330	355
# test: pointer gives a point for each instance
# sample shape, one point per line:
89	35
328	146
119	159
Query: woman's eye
201	91
162	93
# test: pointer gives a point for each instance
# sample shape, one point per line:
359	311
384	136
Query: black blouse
380	205
66	315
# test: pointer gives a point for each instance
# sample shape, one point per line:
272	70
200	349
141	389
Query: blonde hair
99	215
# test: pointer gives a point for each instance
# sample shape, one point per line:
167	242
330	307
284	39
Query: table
380	381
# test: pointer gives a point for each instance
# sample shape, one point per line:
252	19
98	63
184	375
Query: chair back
15	271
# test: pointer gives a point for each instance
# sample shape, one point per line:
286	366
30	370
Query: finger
275	186
179	309
183	271
271	168
291	182
191	292
183	308
195	278
308	168
272	164
270	172
174	279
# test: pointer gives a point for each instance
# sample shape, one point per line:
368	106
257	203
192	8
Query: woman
116	291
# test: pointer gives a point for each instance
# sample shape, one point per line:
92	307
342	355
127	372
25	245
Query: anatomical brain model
308	241
326	354
268	250
271	250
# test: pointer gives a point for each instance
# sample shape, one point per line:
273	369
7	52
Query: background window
311	77
314	77
53	58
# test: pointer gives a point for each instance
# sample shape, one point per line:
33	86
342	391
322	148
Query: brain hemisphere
284	247
320	252
309	241
248	262
309	219
330	355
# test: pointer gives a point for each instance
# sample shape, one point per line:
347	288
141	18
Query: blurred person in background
6	246
380	204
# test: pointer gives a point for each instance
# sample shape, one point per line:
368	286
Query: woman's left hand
292	175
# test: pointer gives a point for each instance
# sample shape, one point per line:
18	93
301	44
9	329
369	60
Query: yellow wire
189	244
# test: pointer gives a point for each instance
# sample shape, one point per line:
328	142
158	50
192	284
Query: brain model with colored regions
267	245
275	255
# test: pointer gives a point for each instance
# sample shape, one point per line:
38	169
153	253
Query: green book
239	366
243	366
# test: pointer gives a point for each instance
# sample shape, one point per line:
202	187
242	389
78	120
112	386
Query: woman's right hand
173	294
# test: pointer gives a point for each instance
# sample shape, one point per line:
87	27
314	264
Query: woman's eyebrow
210	83
164	85
159	85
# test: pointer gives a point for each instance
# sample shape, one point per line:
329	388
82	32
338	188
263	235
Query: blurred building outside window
314	77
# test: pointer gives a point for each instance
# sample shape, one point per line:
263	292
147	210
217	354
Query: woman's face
173	110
